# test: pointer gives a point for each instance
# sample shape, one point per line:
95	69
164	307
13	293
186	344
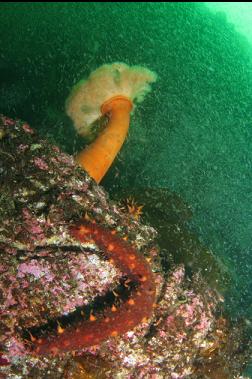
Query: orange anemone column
99	155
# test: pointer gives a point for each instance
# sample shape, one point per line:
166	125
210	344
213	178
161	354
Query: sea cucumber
115	320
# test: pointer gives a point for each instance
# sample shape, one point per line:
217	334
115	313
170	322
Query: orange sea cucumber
115	320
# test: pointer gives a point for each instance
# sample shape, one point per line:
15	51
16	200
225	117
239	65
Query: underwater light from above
111	89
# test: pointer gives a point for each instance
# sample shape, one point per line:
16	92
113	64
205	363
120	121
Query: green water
238	14
192	134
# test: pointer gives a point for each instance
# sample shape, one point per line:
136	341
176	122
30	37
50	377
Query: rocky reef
50	280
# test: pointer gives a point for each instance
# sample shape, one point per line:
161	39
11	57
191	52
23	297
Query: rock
48	278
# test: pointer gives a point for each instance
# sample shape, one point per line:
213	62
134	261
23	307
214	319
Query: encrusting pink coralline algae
51	281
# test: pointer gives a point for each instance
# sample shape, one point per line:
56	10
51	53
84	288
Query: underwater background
192	134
